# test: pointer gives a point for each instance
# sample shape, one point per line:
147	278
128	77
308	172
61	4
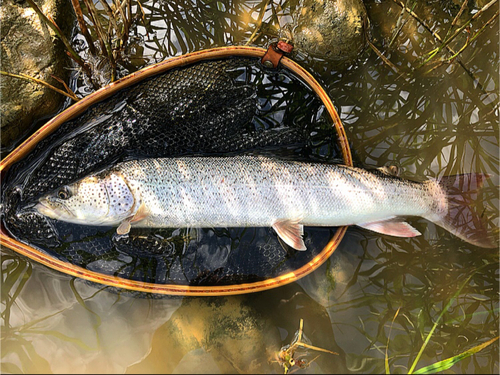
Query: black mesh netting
222	106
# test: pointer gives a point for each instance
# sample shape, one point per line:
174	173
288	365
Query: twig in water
67	88
258	25
105	42
474	37
387	370
414	15
69	94
83	27
112	20
143	14
61	36
401	23
287	358
462	8
466	44
455	20
439	39
386	60
97	26
447	41
128	21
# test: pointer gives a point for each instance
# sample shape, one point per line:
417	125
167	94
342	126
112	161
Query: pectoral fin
392	227
125	225
291	232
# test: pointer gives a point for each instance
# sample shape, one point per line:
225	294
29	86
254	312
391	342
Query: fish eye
63	193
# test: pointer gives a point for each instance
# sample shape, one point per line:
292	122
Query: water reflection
430	124
239	334
109	332
54	323
383	276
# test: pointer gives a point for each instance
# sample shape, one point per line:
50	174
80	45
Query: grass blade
39	81
447	363
387	369
429	335
83	27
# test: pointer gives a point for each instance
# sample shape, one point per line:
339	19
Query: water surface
429	122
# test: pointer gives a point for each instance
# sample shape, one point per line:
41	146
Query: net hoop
171	289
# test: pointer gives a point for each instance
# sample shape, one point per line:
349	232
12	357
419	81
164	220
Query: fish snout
47	208
43	208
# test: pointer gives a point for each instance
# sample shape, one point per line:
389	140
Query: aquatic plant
69	93
108	47
106	31
295	354
437	120
17	338
446	363
443	43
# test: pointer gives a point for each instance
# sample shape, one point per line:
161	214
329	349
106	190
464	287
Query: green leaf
386	362
447	363
448	305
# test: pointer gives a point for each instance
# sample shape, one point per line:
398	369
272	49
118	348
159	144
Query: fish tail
454	209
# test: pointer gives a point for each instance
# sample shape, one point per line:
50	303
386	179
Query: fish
261	191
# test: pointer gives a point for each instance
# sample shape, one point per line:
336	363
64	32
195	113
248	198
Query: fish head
104	199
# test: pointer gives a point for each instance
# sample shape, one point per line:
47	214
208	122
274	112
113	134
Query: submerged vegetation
295	354
424	96
113	34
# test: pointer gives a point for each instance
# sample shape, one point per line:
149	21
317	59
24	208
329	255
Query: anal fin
392	227
291	232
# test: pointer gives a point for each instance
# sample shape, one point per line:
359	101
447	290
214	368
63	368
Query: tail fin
460	218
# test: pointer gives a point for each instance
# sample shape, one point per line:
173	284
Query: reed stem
25	77
258	25
49	22
447	41
83	27
103	37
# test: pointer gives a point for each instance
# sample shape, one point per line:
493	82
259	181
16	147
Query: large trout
257	191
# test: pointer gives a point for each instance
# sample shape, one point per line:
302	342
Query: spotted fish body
248	191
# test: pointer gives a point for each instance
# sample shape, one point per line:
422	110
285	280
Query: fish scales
201	108
257	191
240	191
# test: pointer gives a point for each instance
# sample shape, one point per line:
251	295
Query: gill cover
104	199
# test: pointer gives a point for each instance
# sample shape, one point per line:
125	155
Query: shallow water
429	124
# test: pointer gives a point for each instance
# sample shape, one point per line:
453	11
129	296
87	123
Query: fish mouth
43	207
